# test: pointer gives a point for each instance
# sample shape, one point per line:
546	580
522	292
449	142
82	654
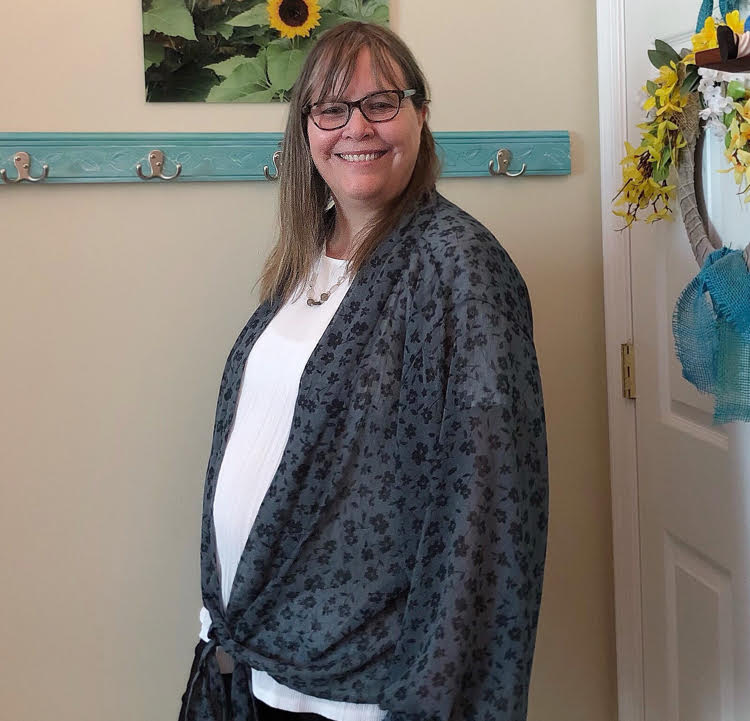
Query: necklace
325	295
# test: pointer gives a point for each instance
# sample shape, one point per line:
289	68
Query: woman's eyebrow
331	98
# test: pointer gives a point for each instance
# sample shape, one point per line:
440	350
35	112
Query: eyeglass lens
376	108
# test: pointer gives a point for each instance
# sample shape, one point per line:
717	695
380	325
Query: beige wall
117	307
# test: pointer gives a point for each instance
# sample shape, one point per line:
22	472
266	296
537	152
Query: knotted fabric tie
212	704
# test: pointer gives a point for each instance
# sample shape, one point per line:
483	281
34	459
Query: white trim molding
619	329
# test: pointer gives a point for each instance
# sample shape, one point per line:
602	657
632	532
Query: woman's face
367	185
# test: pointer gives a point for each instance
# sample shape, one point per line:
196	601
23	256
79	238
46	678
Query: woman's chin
363	194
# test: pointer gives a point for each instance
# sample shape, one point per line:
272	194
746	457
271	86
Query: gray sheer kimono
398	555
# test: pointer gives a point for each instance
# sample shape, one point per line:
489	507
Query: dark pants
265	712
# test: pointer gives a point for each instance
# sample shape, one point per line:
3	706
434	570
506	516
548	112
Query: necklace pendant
324	297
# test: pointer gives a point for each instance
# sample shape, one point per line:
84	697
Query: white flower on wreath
713	89
707	77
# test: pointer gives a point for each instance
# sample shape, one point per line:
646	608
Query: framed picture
237	51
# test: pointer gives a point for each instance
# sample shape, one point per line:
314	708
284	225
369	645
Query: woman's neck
341	243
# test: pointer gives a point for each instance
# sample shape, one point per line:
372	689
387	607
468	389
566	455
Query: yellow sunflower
293	17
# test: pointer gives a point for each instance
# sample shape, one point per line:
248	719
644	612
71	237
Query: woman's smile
362	158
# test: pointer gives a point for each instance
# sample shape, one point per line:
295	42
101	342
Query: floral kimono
397	557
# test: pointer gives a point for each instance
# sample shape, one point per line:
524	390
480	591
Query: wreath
695	88
683	97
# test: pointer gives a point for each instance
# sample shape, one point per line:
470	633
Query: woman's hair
303	223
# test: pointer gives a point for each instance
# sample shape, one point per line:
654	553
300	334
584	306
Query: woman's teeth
360	158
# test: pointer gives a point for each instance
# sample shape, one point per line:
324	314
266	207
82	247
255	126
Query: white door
692	487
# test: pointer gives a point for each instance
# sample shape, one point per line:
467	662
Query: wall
117	307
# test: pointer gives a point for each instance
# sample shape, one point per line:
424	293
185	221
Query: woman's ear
422	114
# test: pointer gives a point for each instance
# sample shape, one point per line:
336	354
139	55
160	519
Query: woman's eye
381	106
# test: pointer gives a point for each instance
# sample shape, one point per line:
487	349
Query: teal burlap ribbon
711	325
707	8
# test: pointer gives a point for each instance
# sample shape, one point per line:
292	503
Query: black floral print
397	557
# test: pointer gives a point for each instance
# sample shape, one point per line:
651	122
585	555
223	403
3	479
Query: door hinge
628	370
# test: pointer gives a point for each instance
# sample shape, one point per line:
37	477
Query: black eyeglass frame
351	104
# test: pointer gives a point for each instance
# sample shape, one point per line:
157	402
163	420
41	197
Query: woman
374	519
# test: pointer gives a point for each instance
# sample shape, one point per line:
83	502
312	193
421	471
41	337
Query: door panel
692	500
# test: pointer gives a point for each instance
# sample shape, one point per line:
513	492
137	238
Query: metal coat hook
275	161
503	158
156	161
22	161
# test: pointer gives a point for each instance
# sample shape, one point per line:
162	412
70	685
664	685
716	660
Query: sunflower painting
237	51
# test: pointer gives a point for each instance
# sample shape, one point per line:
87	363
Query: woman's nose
358	125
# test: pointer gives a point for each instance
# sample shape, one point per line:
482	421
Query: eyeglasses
376	107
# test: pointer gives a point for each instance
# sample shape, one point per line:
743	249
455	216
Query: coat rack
42	158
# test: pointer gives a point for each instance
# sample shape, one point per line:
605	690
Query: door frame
618	316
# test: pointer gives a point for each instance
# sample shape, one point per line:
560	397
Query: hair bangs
339	63
384	67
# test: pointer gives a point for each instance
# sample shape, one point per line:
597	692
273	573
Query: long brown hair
303	223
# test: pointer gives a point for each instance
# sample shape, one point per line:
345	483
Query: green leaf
373	6
729	117
221	27
280	44
690	82
257	15
349	7
250	36
736	89
169	17
727	140
372	11
228	66
378	15
323	4
658	59
651	87
287	44
153	53
188	83
661	174
667	50
284	66
243	81
330	20
259	96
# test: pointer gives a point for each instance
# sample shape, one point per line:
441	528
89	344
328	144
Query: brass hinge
628	370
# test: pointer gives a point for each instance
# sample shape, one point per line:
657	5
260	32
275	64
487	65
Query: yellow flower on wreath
733	20
294	17
706	38
668	92
738	146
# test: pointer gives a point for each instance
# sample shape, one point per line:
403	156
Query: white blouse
259	434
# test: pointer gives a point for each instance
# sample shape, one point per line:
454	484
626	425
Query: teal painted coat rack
203	157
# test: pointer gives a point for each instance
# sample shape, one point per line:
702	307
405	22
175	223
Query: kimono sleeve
469	627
